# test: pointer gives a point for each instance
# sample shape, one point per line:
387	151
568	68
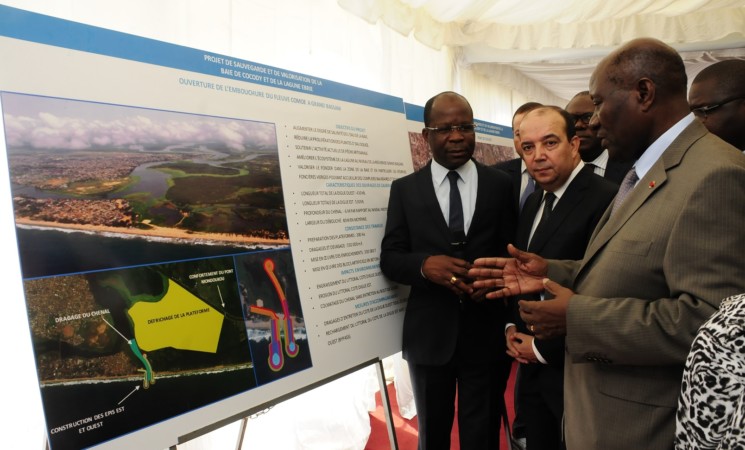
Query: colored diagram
281	321
103	339
179	319
273	314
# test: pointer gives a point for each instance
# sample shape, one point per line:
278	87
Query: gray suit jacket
651	275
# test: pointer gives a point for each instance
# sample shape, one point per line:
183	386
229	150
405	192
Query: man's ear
645	92
575	142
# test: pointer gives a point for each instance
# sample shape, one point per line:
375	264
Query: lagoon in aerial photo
97	186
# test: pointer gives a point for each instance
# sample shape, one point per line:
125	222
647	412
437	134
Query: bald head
648	58
640	92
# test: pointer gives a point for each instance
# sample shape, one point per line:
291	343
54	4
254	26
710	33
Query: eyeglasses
466	128
584	118
702	112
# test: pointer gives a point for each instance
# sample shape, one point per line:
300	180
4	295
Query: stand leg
386	406
242	433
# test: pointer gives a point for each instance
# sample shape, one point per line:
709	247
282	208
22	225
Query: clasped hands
524	273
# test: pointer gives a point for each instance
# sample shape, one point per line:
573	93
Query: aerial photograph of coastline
90	176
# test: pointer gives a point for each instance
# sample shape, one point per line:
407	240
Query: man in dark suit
522	182
556	222
657	266
591	149
429	243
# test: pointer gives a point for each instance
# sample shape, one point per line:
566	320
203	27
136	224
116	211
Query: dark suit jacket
416	229
616	170
564	236
513	168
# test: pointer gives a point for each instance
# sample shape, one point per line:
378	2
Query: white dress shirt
467	185
600	163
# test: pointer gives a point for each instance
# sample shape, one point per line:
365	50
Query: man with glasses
717	98
440	219
592	149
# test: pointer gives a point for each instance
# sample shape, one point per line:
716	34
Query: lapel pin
651	184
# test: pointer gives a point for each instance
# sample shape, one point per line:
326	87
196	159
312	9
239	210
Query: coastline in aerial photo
144	344
98	186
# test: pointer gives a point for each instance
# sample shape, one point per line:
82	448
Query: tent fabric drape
550	47
571	24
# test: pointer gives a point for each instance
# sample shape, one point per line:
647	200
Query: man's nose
539	152
594	120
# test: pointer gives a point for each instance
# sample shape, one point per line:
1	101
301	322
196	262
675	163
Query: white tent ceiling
556	44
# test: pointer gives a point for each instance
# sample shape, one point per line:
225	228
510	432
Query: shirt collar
440	173
559	192
658	147
602	160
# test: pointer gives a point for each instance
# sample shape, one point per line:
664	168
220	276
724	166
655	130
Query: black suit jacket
513	168
416	229
616	170
564	236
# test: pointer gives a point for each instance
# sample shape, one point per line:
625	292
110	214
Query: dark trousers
480	393
541	406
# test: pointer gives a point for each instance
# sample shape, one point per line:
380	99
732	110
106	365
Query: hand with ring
448	272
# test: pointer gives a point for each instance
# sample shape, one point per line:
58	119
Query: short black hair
428	105
728	74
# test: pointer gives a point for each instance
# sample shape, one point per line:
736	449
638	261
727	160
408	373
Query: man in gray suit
657	266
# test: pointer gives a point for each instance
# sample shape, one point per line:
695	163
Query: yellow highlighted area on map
179	320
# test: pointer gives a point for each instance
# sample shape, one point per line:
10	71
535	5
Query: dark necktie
456	208
529	188
626	186
548	206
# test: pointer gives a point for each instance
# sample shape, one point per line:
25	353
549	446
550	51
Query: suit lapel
563	209
653	181
615	171
483	189
427	195
527	217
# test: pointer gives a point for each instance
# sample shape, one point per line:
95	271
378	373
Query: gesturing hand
547	319
521	274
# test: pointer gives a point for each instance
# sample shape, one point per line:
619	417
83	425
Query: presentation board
198	235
